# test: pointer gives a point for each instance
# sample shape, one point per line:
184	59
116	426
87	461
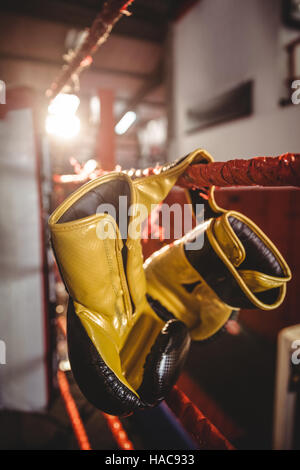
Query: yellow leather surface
99	284
231	244
202	311
260	282
92	268
220	232
154	189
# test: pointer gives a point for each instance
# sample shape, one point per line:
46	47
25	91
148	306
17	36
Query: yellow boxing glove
223	264
123	356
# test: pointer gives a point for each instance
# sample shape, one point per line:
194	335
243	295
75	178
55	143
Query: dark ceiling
149	20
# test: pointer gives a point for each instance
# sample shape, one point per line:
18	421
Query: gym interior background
172	77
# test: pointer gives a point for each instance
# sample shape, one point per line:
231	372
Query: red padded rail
263	171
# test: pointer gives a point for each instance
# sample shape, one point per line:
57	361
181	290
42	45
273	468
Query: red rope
127	4
196	424
257	171
113	422
263	171
76	422
111	12
118	432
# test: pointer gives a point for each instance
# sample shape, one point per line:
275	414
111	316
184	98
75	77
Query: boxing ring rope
262	171
203	432
113	422
118	432
110	13
72	410
258	171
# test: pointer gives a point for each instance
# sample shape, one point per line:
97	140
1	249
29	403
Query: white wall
218	45
23	374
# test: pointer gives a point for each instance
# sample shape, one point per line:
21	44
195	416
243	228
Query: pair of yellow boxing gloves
130	323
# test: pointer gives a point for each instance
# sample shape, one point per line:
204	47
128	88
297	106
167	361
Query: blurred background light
125	123
95	110
64	104
61	120
63	126
90	166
